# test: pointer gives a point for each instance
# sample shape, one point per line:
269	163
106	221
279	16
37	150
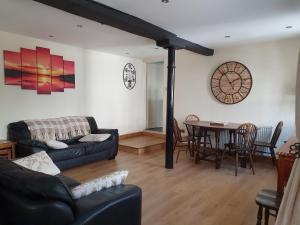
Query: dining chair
268	200
272	144
195	135
245	136
181	143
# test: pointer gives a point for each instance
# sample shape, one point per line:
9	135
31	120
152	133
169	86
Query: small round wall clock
129	76
231	82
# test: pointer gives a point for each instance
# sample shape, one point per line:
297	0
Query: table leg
193	142
232	140
217	137
197	149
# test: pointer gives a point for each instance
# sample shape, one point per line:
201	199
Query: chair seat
263	144
269	198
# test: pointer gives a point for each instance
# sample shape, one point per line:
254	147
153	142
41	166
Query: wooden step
142	144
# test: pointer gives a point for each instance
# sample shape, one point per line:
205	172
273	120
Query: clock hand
229	81
235	80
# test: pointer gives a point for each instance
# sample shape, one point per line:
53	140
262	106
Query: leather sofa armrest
115	139
18	209
28	147
103	206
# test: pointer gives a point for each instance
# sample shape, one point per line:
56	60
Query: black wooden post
170	107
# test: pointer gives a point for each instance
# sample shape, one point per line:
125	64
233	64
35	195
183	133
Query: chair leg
236	162
259	215
273	156
267	213
254	152
177	155
193	148
209	141
174	145
251	163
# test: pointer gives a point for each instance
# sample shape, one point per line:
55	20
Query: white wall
297	114
107	99
99	91
17	104
273	66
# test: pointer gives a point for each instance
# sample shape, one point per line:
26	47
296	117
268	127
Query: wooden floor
189	194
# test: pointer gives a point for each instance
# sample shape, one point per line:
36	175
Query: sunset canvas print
29	73
57	72
69	74
12	68
38	70
43	70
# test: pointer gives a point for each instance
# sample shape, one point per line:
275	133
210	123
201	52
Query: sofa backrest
32	193
19	130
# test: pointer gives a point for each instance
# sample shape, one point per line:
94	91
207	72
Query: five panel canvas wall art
38	70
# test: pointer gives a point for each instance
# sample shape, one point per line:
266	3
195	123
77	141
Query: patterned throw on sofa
58	128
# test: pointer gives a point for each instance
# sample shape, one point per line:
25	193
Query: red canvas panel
12	68
57	73
69	74
29	71
44	70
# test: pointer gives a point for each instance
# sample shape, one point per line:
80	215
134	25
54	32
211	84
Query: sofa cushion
73	151
100	183
33	184
39	162
56	144
96	147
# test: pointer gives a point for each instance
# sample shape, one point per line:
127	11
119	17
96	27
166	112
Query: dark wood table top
214	125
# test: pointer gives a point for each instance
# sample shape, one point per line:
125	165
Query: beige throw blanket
58	128
289	212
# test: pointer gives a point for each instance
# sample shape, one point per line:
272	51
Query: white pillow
100	183
39	162
56	144
94	138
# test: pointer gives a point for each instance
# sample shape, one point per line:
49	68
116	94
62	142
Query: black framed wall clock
129	76
231	82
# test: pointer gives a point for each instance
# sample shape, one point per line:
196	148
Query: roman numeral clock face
231	82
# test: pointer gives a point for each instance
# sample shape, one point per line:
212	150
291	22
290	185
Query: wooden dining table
216	128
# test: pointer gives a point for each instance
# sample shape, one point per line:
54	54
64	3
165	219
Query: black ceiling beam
180	43
98	12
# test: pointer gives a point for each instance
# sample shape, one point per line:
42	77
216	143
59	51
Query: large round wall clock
231	82
129	76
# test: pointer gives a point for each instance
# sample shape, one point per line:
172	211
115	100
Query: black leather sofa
32	198
76	154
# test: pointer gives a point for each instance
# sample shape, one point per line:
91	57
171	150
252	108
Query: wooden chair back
190	129
246	135
276	134
176	131
192	118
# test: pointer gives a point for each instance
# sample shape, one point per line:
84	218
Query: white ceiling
205	22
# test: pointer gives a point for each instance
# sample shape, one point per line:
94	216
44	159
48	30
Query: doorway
155	83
